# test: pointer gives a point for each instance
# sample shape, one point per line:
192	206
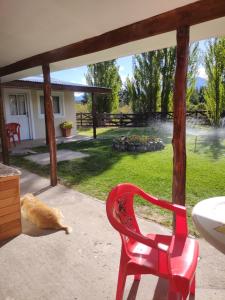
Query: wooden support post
49	117
179	118
94	114
3	134
46	129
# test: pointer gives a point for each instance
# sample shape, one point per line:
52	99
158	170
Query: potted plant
66	128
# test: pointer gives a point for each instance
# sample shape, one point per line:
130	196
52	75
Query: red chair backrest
121	214
13	127
120	207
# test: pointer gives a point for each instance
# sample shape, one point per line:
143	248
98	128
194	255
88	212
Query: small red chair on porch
173	257
13	129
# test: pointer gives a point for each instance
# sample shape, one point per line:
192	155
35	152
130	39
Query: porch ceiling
29	27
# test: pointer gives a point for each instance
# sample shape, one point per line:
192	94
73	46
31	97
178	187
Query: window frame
61	104
17	107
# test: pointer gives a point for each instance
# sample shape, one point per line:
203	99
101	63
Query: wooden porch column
94	114
4	141
46	129
49	117
179	118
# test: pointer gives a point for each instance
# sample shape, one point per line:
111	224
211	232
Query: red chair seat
184	258
144	258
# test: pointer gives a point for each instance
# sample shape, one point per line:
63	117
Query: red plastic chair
173	257
13	129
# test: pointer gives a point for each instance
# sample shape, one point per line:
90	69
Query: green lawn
152	171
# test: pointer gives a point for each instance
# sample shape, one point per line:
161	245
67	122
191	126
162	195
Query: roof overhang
25	84
96	31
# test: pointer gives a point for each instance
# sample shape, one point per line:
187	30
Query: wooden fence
132	120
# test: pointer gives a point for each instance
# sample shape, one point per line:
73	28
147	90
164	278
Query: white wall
67	98
37	121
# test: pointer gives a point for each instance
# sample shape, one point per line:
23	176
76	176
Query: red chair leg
137	277
121	281
185	291
192	289
172	293
14	143
19	137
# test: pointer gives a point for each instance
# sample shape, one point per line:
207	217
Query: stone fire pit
136	143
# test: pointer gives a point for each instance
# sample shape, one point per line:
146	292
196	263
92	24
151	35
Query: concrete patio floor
25	147
44	265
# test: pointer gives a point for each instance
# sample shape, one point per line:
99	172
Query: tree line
151	87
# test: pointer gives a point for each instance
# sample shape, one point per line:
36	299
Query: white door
17	111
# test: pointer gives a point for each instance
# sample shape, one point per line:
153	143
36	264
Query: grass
152	171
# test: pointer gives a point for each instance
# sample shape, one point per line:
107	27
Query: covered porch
87	260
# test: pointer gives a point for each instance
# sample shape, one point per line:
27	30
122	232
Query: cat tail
67	229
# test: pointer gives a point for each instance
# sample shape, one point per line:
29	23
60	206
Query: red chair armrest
140	238
179	210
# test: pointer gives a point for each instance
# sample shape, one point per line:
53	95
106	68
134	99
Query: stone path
62	155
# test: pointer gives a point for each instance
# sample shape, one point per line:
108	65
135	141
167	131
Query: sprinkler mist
223	122
196	139
194	129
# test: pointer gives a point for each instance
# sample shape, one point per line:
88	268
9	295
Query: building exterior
24	104
26	107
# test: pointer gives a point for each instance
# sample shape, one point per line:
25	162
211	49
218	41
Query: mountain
79	98
200	81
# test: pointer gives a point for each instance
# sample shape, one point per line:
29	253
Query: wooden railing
132	120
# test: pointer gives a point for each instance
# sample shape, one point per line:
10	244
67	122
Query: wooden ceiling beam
188	15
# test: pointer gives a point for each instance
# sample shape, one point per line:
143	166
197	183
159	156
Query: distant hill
200	82
79	98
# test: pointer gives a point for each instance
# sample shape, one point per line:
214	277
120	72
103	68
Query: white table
209	218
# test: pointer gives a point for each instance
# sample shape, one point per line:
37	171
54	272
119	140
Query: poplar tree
105	74
167	68
193	65
151	88
214	92
145	86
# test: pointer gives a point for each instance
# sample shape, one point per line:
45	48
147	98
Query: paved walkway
43	265
62	155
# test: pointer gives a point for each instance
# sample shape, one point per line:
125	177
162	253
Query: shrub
136	143
66	124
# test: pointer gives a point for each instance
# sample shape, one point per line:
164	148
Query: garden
105	167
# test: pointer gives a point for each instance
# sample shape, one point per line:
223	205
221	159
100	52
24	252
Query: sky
77	75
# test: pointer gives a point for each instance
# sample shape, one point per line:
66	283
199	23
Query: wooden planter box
10	215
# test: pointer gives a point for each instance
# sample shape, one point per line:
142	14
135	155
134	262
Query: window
17	104
57	105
